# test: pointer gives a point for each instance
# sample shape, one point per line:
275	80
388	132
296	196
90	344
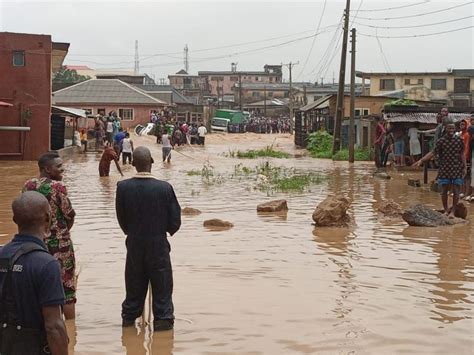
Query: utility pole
265	100
240	91
136	70
352	106
305	95
290	66
186	58
342	74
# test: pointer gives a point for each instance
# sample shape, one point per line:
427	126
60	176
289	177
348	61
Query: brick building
26	63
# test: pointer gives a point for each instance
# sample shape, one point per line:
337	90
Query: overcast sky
102	34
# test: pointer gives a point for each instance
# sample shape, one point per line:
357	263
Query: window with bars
438	84
18	58
387	84
126	114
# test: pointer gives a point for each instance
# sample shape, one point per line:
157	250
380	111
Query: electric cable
416	15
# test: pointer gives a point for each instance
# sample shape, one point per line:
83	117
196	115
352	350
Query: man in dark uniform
31	291
147	209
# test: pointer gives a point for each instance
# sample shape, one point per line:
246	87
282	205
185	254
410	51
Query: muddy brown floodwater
271	284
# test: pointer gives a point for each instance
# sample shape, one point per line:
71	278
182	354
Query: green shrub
320	146
268	151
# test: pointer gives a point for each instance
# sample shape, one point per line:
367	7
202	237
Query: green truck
224	119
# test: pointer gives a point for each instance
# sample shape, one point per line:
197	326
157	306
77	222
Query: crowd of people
260	124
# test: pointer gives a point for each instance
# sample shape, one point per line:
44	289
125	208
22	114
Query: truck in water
228	120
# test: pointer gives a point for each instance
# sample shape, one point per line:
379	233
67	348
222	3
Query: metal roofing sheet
322	102
105	91
421	117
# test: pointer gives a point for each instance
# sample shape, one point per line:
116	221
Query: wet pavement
273	284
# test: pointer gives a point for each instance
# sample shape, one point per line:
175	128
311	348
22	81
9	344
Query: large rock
189	211
460	210
390	208
424	216
217	223
332	212
273	206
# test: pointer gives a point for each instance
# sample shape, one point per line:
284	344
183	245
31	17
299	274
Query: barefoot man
452	164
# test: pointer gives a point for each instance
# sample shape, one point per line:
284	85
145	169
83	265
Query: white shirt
202	131
413	133
165	139
126	145
110	127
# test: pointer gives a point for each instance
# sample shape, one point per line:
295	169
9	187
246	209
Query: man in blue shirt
31	291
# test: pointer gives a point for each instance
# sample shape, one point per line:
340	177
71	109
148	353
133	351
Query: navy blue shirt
36	281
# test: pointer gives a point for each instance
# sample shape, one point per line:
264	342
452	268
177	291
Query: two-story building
454	87
222	83
187	84
27	63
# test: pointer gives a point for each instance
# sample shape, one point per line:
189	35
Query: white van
219	124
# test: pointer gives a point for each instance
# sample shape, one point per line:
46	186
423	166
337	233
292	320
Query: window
407	81
18	58
462	86
234	78
361	112
101	111
420	81
271	79
256	78
255	94
126	114
461	103
88	111
387	84
270	94
438	84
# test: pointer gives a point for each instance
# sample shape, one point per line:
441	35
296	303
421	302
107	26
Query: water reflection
454	256
143	341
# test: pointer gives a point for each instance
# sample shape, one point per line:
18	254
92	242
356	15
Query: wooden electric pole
342	74
290	66
264	100
240	91
352	106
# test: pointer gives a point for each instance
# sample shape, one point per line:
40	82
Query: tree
69	76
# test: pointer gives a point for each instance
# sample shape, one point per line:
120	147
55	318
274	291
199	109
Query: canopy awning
68	111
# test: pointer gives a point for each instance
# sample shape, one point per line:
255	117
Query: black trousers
148	261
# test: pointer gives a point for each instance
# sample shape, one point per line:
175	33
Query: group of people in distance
37	268
451	147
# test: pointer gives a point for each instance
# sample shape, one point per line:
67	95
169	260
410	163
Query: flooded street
273	284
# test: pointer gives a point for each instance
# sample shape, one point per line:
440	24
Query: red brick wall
28	88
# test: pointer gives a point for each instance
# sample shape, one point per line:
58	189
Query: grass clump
297	182
194	172
320	146
267	152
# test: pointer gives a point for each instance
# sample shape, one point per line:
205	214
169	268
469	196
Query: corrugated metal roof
178	98
75	112
322	102
103	91
422	117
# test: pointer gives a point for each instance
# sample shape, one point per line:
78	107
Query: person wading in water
58	241
452	165
147	209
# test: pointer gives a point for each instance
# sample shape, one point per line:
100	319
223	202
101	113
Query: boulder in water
332	212
217	223
273	206
460	210
189	211
424	216
390	208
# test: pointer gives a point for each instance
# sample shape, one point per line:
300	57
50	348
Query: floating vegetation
267	152
320	146
207	174
194	172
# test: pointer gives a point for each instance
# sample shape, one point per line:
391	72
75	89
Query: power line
417	15
314	39
414	26
422	35
382	53
396	7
